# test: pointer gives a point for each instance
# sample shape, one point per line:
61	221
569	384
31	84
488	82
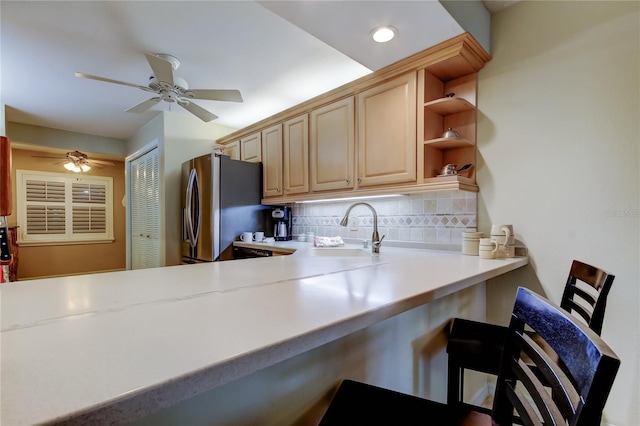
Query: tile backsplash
430	219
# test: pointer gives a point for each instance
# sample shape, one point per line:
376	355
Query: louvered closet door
145	211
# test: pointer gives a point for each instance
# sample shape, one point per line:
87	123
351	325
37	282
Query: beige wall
558	158
46	261
34	137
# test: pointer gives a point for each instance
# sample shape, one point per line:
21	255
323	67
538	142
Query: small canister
471	243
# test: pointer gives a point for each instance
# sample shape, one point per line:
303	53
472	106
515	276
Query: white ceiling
277	54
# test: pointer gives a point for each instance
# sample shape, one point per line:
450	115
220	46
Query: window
55	208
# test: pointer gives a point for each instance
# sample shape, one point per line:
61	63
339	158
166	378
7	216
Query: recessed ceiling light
384	34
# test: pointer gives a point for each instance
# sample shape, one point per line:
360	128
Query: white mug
503	234
246	237
258	236
487	248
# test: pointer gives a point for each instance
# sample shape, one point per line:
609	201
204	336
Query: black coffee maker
281	221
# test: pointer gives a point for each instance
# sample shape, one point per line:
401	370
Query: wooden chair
578	393
478	346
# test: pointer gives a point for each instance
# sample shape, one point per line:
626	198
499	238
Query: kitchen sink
340	251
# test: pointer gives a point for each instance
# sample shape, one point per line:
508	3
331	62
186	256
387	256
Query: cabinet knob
359	180
348	181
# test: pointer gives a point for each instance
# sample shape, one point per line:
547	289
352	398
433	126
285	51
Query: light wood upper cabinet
296	155
380	134
272	161
387	132
232	150
332	142
250	148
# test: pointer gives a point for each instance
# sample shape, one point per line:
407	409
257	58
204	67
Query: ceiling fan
77	161
172	88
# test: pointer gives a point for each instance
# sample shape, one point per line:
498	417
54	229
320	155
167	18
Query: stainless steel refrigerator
220	200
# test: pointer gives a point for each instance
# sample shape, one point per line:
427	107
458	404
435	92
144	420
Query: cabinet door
250	148
272	161
332	146
232	150
296	155
387	132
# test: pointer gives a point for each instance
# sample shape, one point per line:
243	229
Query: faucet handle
365	243
375	245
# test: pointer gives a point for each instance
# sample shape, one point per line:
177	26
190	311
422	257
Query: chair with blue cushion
580	379
478	346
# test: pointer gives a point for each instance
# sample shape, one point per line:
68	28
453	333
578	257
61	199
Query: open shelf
448	143
447	106
450	179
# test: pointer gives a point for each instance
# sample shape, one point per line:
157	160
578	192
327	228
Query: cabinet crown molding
452	58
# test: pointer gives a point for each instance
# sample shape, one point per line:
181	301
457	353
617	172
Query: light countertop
116	346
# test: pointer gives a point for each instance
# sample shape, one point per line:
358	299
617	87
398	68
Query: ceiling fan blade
102	162
108	80
46	156
143	106
215	95
162	69
198	111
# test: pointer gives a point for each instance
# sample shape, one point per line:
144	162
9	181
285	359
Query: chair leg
455	381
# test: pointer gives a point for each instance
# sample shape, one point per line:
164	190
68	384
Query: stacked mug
500	244
503	236
488	248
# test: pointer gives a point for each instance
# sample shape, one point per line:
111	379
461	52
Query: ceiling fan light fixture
76	166
383	34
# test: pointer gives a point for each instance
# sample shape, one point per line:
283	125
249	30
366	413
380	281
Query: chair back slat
596	278
590	367
528	415
576	308
577	291
564	393
544	403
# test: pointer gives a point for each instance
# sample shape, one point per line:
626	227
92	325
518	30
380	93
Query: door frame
126	201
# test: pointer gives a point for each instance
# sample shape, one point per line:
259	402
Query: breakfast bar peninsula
252	341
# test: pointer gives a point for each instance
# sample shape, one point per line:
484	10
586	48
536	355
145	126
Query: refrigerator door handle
189	214
198	212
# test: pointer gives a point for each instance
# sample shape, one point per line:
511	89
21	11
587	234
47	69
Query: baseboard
482	394
71	274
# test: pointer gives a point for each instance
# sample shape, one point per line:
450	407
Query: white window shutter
58	208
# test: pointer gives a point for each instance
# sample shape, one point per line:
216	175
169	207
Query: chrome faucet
376	241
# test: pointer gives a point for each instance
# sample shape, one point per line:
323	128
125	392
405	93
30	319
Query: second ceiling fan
171	88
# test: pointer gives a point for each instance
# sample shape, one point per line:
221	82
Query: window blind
58	208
